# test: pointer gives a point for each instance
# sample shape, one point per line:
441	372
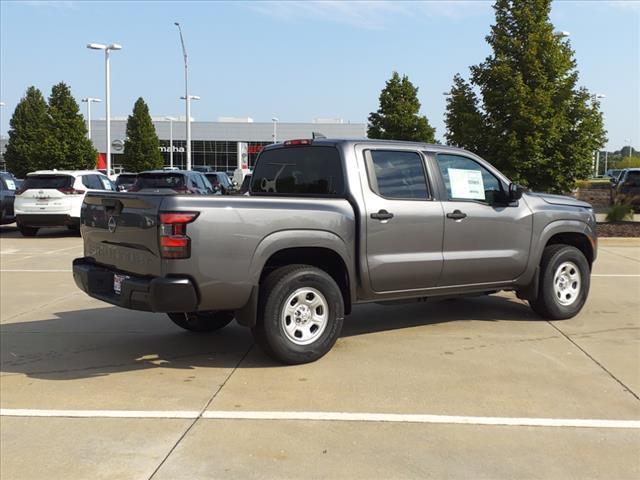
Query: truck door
404	222
485	240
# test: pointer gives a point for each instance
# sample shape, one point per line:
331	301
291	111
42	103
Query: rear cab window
299	171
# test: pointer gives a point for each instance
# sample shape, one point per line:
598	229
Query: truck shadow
11	231
97	342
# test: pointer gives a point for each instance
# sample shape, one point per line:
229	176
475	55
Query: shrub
620	211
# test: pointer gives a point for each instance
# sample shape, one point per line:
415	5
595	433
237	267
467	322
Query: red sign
255	148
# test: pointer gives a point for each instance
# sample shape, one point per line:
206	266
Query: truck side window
466	179
397	174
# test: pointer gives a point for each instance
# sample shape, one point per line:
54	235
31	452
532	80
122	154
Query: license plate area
117	282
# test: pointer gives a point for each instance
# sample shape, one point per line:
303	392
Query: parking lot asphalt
423	390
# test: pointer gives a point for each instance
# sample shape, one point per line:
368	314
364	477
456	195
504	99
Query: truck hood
560	200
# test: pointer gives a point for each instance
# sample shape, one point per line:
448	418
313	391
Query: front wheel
202	322
564	283
301	314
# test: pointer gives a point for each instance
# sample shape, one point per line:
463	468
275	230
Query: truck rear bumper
151	294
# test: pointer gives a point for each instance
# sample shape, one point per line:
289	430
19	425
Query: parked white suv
53	198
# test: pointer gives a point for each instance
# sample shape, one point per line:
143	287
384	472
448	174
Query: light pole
107	93
598	96
275	123
89	101
628	140
188	124
1	105
171	120
187	98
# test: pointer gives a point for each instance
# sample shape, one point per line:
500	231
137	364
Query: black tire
548	304
202	322
269	331
28	231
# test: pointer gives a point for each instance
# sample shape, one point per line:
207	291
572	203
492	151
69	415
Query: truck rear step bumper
151	294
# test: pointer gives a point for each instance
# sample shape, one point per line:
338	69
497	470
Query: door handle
382	215
456	215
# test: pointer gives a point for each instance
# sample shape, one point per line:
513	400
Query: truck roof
373	141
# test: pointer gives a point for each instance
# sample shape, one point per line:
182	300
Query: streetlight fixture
187	98
561	34
89	101
171	120
107	93
275	123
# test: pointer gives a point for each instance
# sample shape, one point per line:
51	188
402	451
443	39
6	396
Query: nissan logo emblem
112	224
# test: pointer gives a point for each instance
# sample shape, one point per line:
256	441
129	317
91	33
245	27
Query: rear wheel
300	316
202	321
28	231
564	283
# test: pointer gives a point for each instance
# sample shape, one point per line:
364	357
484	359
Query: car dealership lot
93	391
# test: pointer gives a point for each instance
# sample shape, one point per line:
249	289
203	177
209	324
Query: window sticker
105	183
11	185
466	184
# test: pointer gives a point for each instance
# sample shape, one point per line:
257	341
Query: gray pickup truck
329	224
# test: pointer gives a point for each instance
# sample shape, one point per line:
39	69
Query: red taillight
70	191
174	242
301	141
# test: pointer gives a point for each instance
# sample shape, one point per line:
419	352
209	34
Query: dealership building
224	145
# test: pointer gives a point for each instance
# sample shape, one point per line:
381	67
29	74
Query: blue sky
297	60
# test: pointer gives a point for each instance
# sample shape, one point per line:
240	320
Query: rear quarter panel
233	237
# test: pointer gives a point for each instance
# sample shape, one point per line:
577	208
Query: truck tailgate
120	230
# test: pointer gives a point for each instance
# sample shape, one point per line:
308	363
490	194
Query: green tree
398	117
628	162
28	129
463	119
67	145
539	127
141	148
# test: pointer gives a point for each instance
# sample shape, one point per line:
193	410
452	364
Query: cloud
365	13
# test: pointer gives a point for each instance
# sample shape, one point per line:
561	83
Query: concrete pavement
478	357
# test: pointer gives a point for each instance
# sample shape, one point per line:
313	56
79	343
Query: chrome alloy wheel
304	316
567	283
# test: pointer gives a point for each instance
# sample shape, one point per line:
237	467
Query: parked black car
172	181
246	183
221	182
627	187
8	189
125	181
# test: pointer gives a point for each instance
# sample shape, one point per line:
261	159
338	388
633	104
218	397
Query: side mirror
515	192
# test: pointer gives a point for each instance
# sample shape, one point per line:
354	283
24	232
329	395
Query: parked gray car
329	224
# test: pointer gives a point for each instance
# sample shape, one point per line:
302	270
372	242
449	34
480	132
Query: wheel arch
321	249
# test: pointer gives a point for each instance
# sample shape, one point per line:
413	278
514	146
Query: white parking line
18	270
614	275
328	416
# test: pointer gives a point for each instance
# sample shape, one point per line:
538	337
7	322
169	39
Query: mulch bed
619	229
